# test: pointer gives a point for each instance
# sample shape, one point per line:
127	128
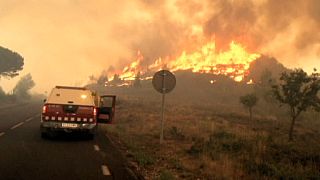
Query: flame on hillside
233	62
130	72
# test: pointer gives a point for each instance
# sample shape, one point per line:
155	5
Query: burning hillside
233	62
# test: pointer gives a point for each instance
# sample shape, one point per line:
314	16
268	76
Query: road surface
25	155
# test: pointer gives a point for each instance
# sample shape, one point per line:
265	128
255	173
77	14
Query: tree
23	86
103	78
116	79
249	101
10	63
260	67
92	79
137	80
299	91
263	88
2	93
266	78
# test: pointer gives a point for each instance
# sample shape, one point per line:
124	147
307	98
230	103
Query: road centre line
17	125
96	147
105	170
29	119
2	133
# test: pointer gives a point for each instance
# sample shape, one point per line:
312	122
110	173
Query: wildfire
130	72
233	62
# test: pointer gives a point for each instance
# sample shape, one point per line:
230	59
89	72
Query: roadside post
164	82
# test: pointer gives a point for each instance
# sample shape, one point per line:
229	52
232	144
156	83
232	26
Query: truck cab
75	109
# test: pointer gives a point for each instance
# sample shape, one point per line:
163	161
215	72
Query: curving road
25	155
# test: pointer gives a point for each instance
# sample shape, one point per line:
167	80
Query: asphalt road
25	155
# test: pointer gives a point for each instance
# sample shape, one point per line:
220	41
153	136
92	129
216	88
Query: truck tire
90	136
44	135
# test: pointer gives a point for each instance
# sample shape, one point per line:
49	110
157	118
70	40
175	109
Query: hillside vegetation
209	135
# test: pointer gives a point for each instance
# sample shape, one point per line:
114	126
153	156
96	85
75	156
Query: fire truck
75	109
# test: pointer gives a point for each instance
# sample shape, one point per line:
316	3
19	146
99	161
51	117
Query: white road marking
96	147
29	119
17	125
2	133
105	170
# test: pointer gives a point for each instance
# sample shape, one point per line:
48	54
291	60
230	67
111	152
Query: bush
284	161
2	94
264	168
176	133
226	142
197	147
176	163
166	175
218	143
143	159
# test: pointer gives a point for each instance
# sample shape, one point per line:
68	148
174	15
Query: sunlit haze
64	42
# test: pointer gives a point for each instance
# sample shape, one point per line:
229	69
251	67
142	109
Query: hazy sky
65	41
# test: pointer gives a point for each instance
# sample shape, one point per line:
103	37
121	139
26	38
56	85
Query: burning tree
249	101
137	80
115	81
299	91
103	79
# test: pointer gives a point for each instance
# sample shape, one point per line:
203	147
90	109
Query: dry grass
214	141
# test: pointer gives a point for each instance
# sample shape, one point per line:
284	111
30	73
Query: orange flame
234	62
130	71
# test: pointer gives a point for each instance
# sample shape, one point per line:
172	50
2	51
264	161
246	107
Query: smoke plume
67	41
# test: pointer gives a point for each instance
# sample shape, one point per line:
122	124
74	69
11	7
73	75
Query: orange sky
63	42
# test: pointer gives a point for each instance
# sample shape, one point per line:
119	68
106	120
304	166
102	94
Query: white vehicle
73	109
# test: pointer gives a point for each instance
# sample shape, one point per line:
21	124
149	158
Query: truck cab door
106	109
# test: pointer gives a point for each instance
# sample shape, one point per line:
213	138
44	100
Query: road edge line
2	133
96	147
17	125
29	119
105	170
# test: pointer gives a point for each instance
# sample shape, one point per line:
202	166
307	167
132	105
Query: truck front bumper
60	126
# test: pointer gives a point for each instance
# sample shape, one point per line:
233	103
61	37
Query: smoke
231	21
66	41
287	30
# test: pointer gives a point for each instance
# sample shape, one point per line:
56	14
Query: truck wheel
44	135
90	136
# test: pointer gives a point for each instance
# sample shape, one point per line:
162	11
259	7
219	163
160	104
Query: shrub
143	158
166	175
176	164
225	142
197	147
176	133
264	168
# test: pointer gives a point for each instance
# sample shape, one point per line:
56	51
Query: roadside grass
166	175
213	141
